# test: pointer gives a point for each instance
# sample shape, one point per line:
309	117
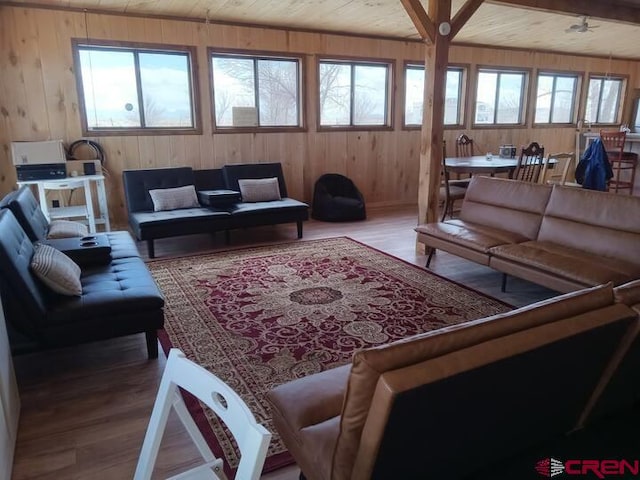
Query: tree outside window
603	100
555	98
135	89
499	97
354	94
255	91
414	96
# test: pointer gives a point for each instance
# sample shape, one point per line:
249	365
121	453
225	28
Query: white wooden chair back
562	161
251	437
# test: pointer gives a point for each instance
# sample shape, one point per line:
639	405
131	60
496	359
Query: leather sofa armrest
629	293
311	400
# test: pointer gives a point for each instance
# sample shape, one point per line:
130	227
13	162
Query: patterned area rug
263	316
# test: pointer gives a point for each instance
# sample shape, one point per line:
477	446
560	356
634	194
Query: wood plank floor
85	408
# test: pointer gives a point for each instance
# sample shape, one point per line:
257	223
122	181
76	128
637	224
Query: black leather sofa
25	208
149	225
119	296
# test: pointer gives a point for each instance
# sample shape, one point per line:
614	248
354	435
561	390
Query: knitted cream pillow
56	270
67	229
174	198
259	189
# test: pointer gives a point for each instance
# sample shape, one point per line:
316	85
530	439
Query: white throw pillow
174	198
67	229
56	270
259	189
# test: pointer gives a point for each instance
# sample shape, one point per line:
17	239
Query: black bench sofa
210	216
119	296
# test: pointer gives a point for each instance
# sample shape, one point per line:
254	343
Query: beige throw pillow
67	229
56	270
259	189
174	198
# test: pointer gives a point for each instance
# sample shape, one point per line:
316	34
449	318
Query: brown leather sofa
560	237
452	402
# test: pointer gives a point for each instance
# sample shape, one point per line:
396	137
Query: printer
39	160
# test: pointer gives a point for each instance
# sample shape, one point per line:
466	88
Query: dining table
481	164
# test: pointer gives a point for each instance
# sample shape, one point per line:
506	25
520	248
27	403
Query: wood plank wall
38	101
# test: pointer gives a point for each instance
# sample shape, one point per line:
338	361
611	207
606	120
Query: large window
256	91
414	93
603	99
555	98
354	94
137	89
500	97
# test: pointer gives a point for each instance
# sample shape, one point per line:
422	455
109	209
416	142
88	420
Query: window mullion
599	110
256	83
352	95
495	101
554	85
459	99
136	67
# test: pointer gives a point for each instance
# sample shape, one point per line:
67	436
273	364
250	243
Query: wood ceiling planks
496	22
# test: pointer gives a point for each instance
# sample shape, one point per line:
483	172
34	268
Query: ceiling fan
581	27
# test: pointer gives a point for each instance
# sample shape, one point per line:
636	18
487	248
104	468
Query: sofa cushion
234	172
258	208
174	198
67	229
508	205
56	270
472	235
369	364
259	189
604	224
575	264
628	293
124	285
26	209
137	184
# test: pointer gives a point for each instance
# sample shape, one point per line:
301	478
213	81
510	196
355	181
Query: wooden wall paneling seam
34	77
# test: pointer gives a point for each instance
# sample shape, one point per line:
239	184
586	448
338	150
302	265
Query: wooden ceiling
527	24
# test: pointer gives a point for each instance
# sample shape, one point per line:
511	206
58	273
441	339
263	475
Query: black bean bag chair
337	199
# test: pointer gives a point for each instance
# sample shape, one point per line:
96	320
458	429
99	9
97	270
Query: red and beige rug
263	316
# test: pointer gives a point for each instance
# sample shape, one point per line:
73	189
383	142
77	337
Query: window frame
577	95
624	79
138	47
463	94
389	96
256	55
524	95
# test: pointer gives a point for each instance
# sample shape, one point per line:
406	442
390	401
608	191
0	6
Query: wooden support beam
420	19
463	15
601	9
436	60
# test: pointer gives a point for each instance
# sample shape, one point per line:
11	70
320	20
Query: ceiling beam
463	15
600	9
420	19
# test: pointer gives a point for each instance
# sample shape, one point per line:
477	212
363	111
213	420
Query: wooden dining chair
450	190
530	163
564	165
464	146
623	164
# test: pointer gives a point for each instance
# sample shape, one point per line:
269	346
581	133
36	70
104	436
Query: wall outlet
55	203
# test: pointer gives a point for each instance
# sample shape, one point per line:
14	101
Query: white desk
86	180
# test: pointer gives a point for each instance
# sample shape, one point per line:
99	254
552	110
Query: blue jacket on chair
594	170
